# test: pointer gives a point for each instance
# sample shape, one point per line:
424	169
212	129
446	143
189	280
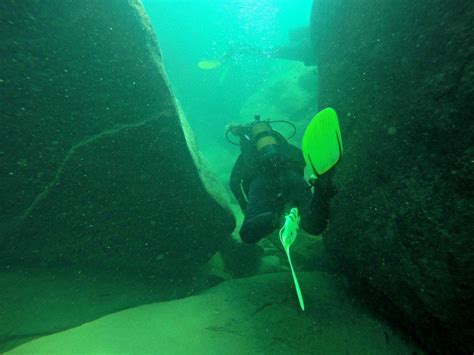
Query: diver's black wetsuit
269	189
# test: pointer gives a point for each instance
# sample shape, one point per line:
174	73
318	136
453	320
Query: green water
190	31
115	238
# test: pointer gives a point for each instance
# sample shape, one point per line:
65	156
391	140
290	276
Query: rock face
290	95
258	315
400	74
96	167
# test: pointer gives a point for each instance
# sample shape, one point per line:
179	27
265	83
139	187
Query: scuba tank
262	148
260	138
266	144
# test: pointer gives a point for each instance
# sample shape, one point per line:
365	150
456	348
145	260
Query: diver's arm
235	182
296	156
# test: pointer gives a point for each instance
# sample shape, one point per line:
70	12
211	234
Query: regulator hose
270	122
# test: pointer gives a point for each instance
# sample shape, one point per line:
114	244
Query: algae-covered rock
400	75
95	164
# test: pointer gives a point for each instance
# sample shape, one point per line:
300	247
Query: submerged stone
98	166
401	225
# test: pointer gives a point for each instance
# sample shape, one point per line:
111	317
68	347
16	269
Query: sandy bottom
256	315
35	302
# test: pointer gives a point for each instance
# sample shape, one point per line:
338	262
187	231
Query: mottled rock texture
96	168
400	74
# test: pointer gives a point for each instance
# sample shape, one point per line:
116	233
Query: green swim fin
322	142
288	234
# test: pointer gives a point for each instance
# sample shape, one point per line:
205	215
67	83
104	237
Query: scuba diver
268	177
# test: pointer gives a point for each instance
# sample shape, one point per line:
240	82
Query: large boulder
400	74
98	168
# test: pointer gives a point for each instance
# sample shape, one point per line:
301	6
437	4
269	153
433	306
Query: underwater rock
257	315
289	95
400	75
36	302
98	167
